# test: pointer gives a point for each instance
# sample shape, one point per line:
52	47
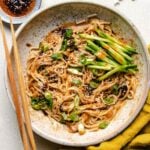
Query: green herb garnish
68	41
76	82
42	103
95	72
93	84
115	56
74	117
57	56
76	102
68	33
108	101
86	61
115	89
103	125
38	104
64	45
43	46
49	100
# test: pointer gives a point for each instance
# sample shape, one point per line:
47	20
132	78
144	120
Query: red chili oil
17	8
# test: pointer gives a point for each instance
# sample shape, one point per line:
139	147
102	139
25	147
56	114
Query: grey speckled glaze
38	26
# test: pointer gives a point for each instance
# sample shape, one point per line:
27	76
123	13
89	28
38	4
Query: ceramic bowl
44	21
21	19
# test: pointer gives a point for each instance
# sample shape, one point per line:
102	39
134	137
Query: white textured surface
137	11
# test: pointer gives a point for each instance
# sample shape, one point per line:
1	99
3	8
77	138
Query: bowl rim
129	22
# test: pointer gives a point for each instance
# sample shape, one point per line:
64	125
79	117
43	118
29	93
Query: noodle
73	100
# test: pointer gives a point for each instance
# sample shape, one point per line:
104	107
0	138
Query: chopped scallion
103	125
57	56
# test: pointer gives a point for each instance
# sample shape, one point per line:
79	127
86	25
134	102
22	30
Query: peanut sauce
17	8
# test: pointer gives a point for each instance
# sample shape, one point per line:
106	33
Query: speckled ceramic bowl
39	25
21	19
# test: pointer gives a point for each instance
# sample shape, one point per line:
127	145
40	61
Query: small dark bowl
20	19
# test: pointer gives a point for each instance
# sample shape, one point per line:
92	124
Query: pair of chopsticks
23	117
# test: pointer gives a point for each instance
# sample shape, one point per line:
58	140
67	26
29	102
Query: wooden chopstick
14	90
22	88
